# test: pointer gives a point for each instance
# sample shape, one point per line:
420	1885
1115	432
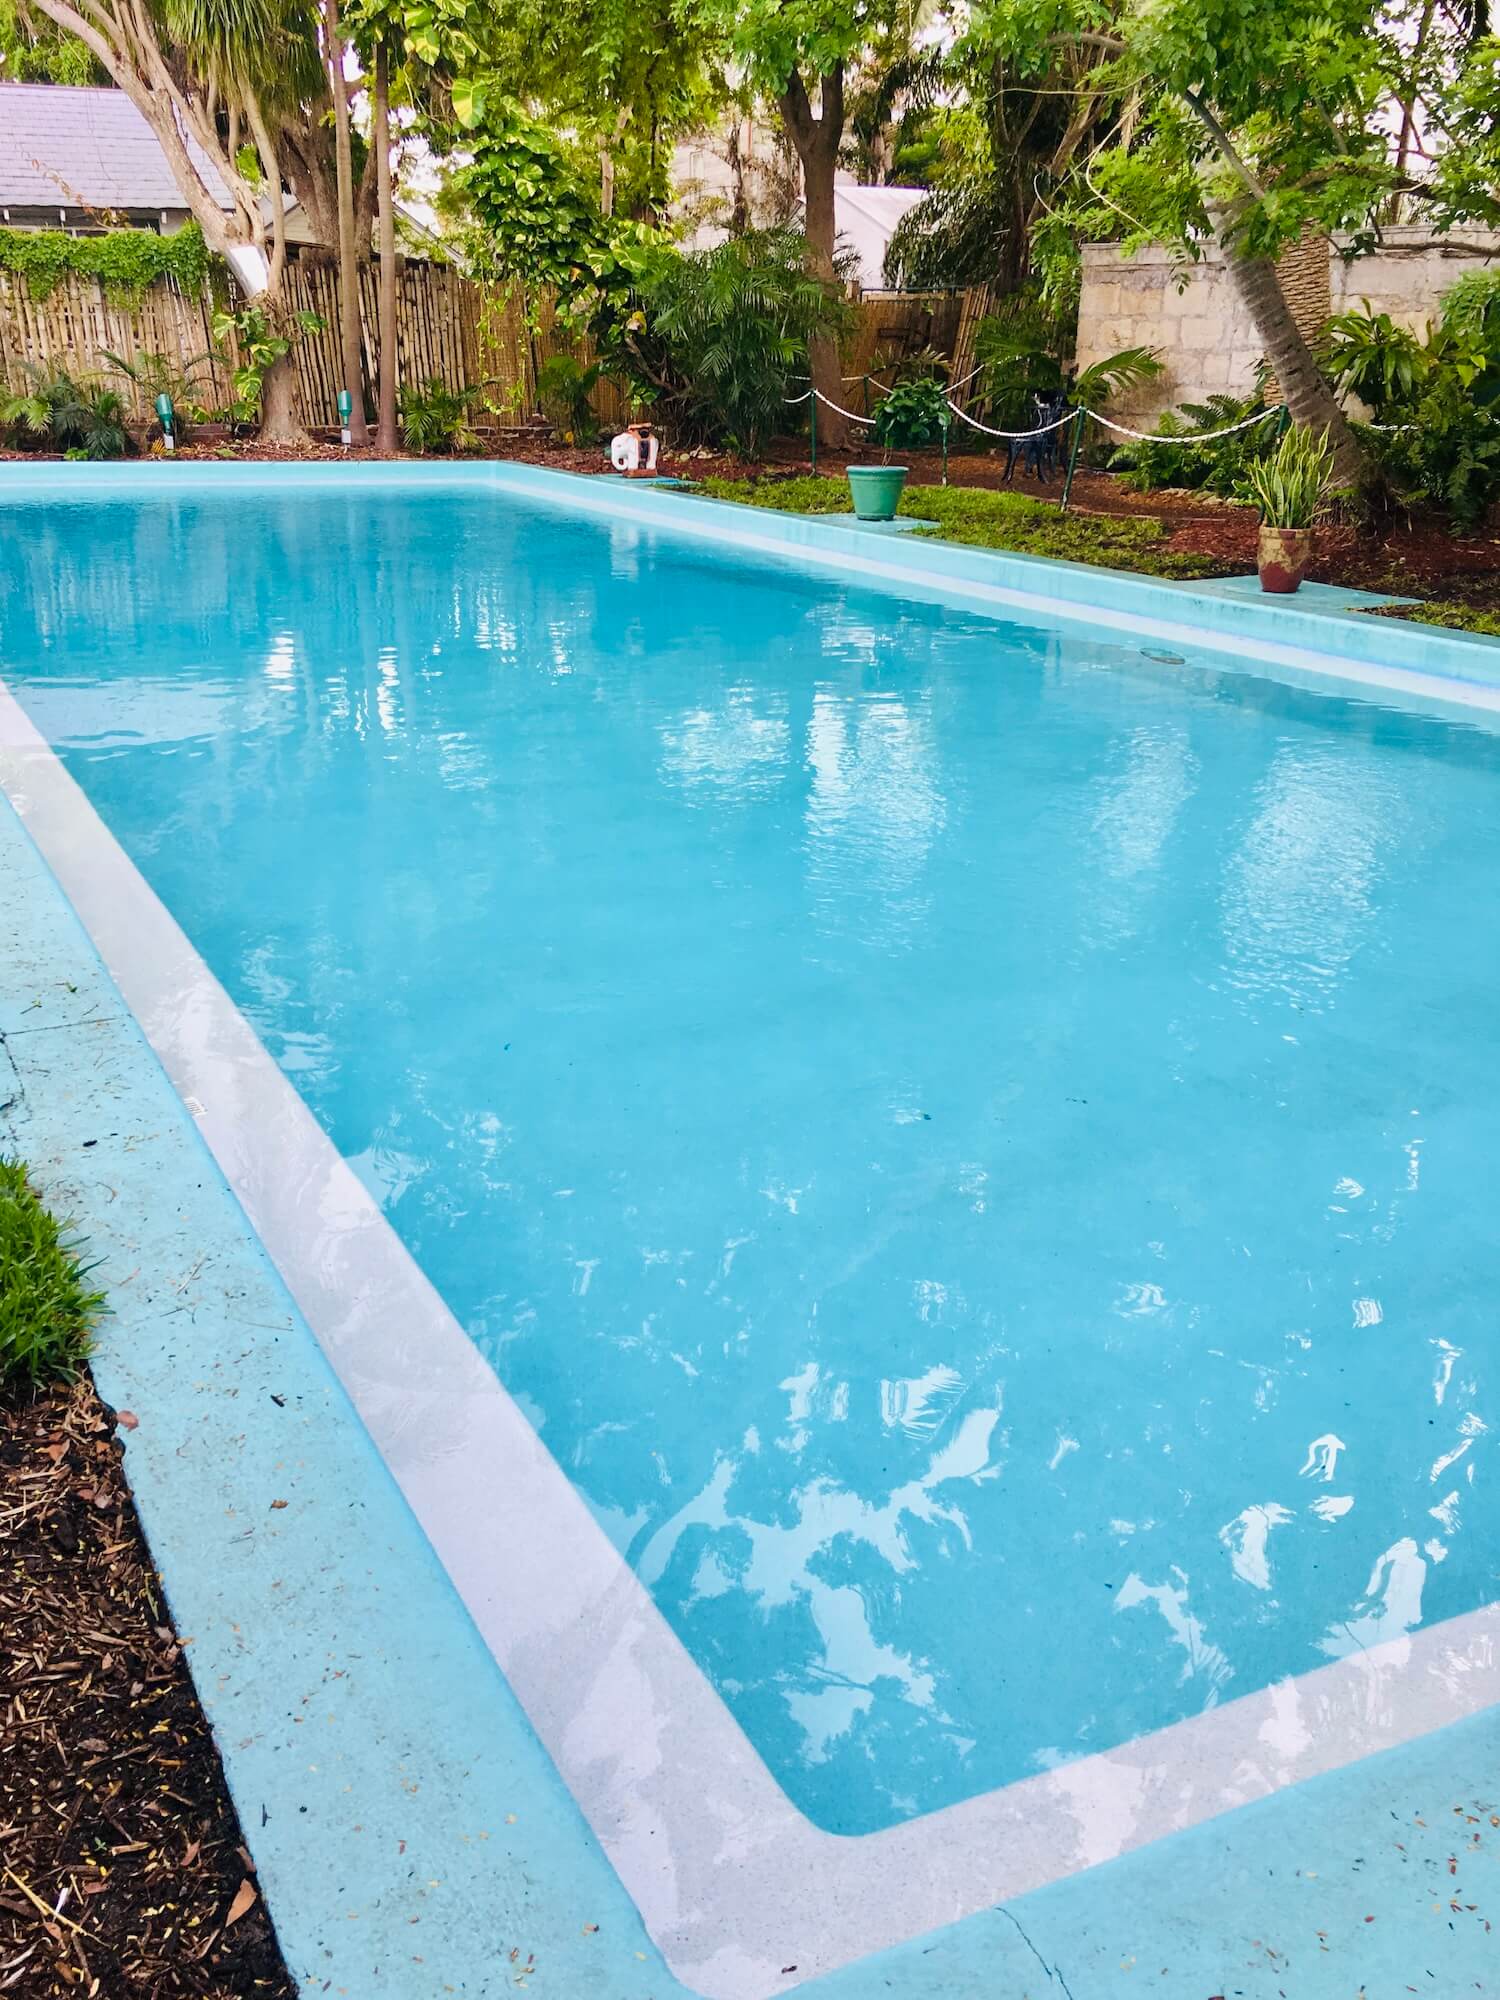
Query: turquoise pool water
972	1146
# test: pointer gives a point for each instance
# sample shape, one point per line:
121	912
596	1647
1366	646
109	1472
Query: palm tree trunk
278	410
1309	398
349	321
386	438
817	146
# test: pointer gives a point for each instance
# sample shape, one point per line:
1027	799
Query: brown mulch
122	1867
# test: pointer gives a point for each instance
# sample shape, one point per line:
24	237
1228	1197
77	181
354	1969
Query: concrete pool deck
428	1747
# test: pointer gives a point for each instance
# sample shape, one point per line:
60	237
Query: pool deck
409	1830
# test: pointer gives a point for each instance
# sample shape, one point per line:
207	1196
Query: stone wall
1193	320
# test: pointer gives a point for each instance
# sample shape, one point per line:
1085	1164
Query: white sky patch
1064	1446
1332	1506
1367	1312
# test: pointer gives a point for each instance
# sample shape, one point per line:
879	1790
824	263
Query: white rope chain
990	431
1188	437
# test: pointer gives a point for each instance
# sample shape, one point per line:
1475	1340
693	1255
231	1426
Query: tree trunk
349	320
278	415
386	437
817	145
1309	398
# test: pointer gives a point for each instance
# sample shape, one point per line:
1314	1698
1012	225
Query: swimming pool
967	1144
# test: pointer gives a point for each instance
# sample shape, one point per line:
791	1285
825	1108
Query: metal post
1285	422
1067	492
867	395
812	405
947	420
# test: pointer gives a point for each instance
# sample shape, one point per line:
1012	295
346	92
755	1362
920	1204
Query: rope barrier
829	403
990	431
1187	437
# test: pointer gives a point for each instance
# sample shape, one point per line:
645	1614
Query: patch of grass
46	1306
1443	611
981	518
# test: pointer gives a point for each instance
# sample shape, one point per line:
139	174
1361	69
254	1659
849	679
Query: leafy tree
1262	118
799	51
234	77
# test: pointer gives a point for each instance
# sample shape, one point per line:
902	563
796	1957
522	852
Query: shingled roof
68	148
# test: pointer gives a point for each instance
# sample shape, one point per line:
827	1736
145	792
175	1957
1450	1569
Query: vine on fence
125	260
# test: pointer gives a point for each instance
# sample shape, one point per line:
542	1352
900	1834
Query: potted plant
914	413
1288	488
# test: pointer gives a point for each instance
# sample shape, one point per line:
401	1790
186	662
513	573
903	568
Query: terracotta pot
1282	558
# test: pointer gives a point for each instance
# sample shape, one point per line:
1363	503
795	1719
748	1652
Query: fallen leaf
277	1503
127	1420
244	1899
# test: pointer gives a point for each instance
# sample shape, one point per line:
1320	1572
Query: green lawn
46	1305
1457	617
984	519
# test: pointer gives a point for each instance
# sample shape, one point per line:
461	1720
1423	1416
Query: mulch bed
123	1871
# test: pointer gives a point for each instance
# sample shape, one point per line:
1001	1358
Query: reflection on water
972	1148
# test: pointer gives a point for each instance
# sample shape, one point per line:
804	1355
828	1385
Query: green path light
168	421
346	411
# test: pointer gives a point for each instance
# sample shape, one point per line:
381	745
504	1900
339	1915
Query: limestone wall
1193	320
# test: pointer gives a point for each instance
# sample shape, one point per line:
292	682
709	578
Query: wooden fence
447	326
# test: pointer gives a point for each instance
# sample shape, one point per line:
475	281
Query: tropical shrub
435	417
79	419
563	388
255	338
915	413
1289	486
1178	456
1020	354
156	374
726	334
46	1304
1435	403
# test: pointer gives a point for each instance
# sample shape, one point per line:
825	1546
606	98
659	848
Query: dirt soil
123	1871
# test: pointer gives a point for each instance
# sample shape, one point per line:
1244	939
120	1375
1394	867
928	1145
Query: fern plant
1180	455
57	413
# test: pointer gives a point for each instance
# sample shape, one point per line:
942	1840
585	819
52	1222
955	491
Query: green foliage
32	50
1289	486
57	413
981	518
538	222
1369	354
725	331
1436	403
1448	612
255	338
1173	458
47	1308
435	417
1093	387
915	413
563	388
156	374
127	260
1019	350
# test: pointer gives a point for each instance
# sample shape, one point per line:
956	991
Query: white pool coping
721	1865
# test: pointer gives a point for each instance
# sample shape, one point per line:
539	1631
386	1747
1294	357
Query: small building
84	160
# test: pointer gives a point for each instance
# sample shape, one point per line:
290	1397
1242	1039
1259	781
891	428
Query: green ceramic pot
876	490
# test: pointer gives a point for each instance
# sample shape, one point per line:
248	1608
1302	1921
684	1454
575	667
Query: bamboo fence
448	327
